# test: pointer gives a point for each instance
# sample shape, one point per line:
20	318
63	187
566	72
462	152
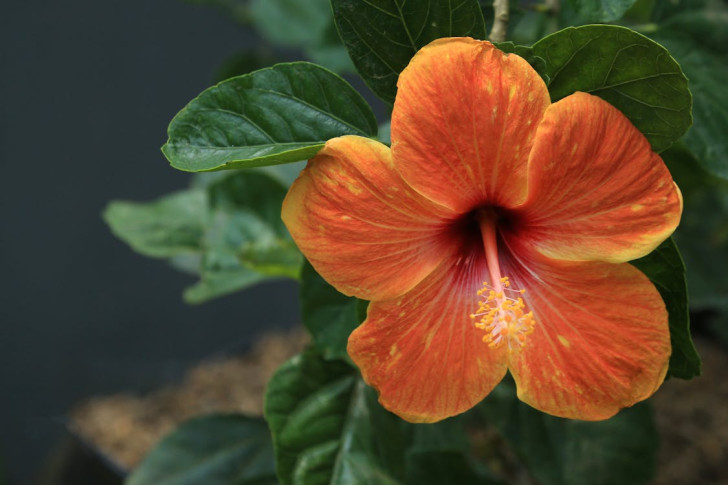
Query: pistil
500	308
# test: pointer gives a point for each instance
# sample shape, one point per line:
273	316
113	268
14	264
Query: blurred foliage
703	234
228	232
218	449
305	26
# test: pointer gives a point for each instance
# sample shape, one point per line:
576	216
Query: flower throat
500	308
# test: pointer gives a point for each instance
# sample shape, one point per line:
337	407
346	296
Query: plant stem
500	21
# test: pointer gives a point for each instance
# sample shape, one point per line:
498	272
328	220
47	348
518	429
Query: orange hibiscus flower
492	237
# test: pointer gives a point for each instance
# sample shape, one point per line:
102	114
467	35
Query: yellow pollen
501	314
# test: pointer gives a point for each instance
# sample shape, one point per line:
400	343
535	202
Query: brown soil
692	416
124	427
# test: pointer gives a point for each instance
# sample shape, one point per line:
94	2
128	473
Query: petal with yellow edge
464	122
597	191
422	352
360	225
600	341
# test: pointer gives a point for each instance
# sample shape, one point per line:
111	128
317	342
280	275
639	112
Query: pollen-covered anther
501	314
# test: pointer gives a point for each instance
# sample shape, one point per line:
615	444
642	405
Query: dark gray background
87	90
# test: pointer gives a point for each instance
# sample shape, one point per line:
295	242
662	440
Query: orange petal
596	189
359	224
601	340
464	121
423	353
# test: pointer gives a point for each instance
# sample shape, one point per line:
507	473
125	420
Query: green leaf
665	268
306	405
602	10
277	115
220	276
329	429
327	314
557	451
383	35
227	230
245	239
707	73
214	450
628	70
170	226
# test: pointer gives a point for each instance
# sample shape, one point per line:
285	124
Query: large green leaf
329	429
628	70
327	314
277	115
665	268
211	450
383	35
707	73
602	10
557	451
228	231
306	404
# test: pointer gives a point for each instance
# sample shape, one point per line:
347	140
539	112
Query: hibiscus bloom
494	236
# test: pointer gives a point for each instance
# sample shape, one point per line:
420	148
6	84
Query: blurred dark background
87	91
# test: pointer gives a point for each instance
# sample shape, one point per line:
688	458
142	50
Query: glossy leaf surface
383	35
277	115
628	70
